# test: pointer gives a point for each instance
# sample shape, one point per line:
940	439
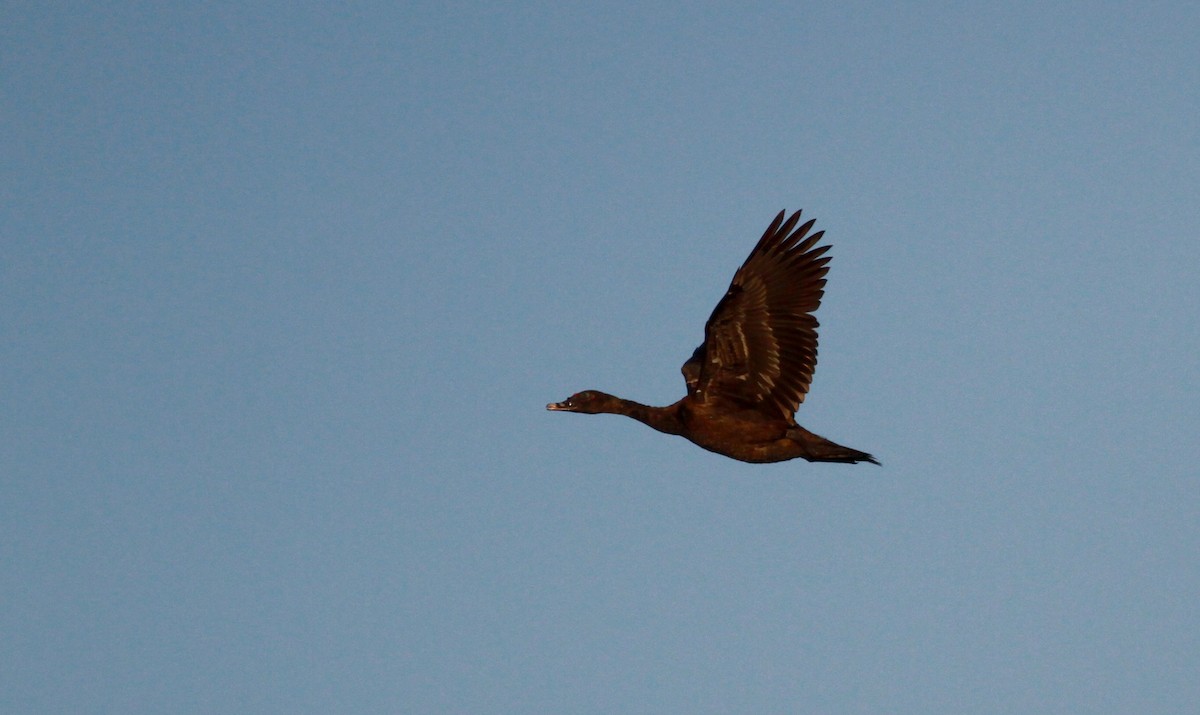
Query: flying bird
748	377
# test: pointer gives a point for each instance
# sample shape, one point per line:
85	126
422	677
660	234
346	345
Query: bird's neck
663	419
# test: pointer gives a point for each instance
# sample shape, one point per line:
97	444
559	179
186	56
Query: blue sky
284	290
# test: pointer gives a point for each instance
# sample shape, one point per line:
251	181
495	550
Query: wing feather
760	343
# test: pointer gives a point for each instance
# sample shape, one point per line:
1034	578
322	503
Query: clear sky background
284	289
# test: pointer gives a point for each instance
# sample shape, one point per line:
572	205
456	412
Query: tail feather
819	449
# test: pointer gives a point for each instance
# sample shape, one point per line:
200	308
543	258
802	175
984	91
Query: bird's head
589	402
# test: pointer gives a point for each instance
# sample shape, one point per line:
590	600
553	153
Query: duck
753	370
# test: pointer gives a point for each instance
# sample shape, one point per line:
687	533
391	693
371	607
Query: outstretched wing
760	343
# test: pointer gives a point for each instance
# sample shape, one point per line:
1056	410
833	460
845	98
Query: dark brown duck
754	368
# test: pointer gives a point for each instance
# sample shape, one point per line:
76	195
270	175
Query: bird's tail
819	449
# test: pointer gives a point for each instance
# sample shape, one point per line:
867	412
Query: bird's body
754	368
